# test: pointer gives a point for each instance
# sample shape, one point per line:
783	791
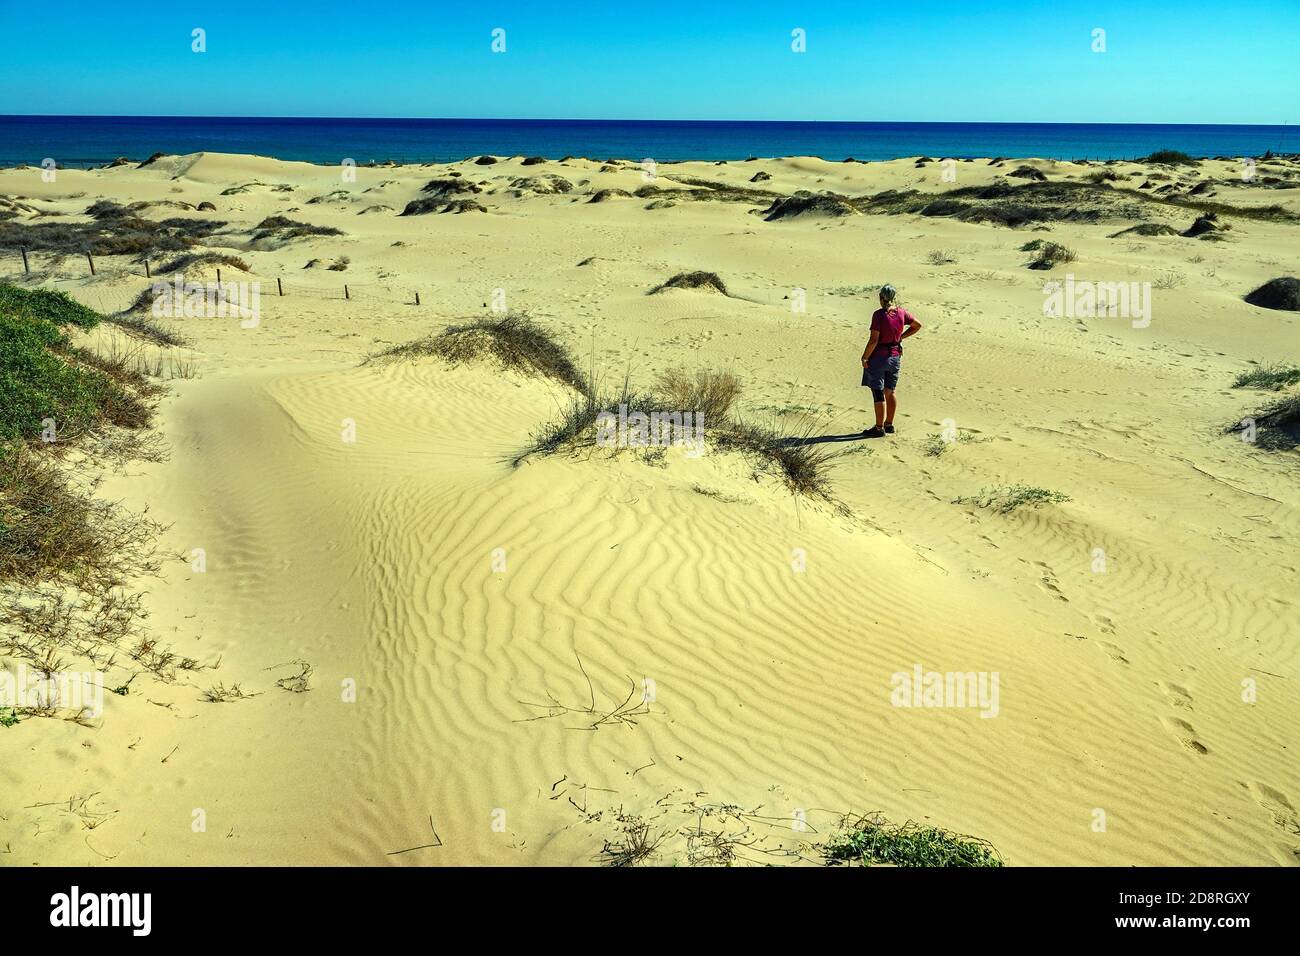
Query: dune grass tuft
514	339
1049	254
711	394
802	466
1276	426
282	228
1005	499
1170	157
872	839
1276	376
709	281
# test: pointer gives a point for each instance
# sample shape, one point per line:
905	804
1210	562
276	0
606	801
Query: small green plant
872	839
1050	254
1275	377
221	694
935	445
1005	499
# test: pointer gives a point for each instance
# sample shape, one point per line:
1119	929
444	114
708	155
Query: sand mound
707	281
1205	226
1282	294
420	207
604	195
548	185
818	204
1146	229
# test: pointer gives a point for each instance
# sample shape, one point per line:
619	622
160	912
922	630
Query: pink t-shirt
890	324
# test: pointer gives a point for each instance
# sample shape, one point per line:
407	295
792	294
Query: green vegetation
709	281
1049	254
67	556
57	308
514	340
42	377
935	445
1276	376
117	231
872	840
1005	499
283	229
46	527
1276	426
801	465
1170	157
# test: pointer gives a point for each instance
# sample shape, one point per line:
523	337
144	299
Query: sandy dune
379	561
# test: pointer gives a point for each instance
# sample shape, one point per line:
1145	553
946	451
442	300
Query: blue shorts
881	372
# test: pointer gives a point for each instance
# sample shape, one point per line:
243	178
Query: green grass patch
1275	377
871	840
1005	499
55	308
43	378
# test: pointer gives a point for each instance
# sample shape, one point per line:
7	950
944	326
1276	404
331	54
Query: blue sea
86	140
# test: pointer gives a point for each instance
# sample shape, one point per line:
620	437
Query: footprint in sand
1185	733
1048	583
1177	695
1279	807
1104	623
1115	652
1277	804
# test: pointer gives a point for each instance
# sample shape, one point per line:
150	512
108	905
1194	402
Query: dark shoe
874	431
889	429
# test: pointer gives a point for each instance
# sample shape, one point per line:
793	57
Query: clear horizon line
561	119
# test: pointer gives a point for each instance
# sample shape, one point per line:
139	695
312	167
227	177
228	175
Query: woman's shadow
800	441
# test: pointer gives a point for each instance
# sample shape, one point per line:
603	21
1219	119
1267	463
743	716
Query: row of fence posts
148	274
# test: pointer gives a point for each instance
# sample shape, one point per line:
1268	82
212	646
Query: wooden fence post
26	267
279	285
147	273
345	291
92	263
417	298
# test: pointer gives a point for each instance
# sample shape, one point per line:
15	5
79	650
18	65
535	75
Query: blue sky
908	60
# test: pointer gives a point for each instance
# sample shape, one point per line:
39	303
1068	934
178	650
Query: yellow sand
376	561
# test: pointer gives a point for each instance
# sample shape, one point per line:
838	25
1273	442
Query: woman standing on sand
883	356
